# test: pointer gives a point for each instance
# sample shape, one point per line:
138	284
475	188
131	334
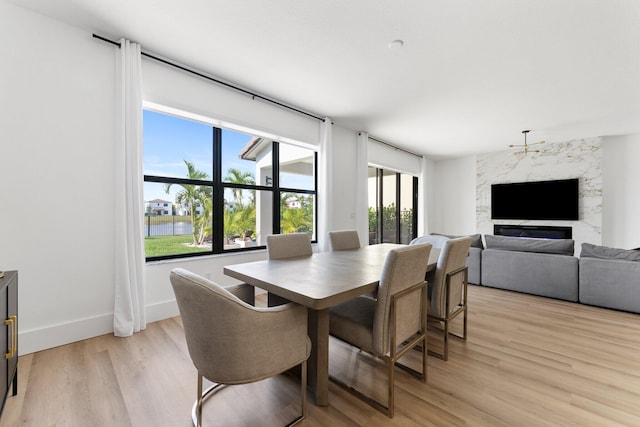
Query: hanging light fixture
526	146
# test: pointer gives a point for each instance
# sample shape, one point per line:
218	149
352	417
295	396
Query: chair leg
303	386
391	383
199	401
445	335
446	341
387	410
464	323
303	394
196	411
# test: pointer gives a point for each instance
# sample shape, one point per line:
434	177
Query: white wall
57	121
621	193
454	204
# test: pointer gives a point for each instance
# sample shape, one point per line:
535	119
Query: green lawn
170	245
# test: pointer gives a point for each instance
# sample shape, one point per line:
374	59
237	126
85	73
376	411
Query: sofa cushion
527	244
476	241
604	252
549	275
610	283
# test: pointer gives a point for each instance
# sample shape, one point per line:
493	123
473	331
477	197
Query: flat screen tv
548	200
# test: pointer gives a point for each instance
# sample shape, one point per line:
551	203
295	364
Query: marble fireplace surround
580	159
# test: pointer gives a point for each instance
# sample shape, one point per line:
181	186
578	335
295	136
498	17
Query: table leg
318	366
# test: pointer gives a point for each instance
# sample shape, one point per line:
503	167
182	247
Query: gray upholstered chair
231	342
290	245
285	246
344	240
448	289
394	323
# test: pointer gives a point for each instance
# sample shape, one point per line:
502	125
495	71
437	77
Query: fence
166	225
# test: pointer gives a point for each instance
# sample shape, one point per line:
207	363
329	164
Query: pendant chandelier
525	146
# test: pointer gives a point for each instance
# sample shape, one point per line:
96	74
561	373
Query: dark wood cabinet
9	334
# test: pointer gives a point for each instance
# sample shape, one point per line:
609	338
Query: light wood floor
529	361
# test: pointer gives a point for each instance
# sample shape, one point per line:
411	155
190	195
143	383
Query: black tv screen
551	200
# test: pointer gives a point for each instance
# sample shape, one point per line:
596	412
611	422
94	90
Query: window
393	200
227	190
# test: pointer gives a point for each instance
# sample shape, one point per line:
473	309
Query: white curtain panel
423	213
129	314
362	187
325	182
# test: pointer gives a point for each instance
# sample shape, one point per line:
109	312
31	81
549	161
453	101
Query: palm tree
203	222
243	217
236	176
191	196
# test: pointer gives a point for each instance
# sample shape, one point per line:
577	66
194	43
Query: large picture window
212	190
393	200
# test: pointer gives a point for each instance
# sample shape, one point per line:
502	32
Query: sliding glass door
392	206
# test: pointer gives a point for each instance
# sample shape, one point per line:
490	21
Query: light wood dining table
318	282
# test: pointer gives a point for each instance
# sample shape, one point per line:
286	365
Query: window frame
218	186
379	205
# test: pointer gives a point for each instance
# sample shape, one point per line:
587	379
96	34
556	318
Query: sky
168	141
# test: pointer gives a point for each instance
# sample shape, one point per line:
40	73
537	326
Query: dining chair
343	240
391	325
290	245
286	246
447	290
231	342
346	240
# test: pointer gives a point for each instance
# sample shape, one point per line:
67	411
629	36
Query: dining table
319	282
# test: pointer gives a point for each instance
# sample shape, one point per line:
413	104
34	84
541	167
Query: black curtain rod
220	82
395	147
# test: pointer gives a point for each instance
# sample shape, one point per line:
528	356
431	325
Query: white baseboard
162	310
65	333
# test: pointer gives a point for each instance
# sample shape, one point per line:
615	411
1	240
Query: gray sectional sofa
603	277
610	277
543	267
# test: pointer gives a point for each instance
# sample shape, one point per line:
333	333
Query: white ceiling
471	76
